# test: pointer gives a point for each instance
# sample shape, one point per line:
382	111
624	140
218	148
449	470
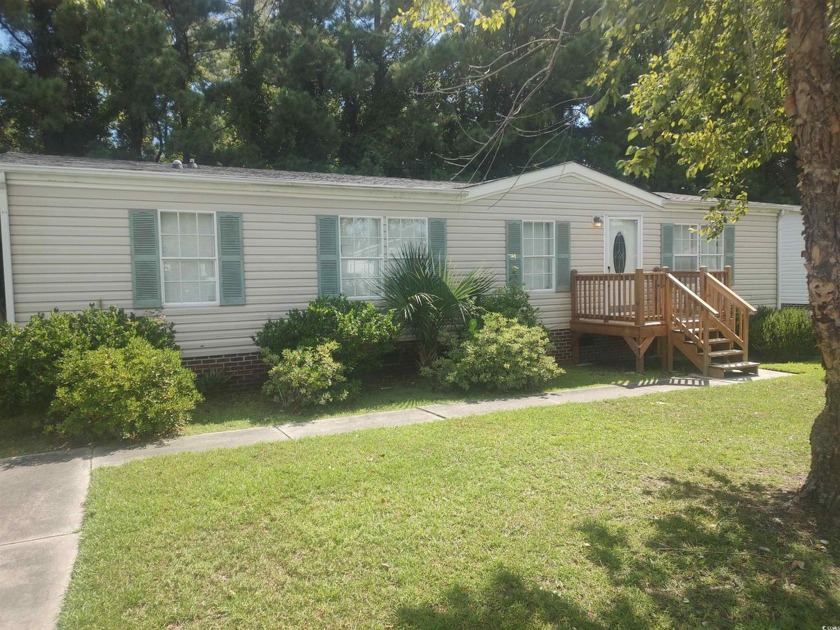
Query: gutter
6	245
206	182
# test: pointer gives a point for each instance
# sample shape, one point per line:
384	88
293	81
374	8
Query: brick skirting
245	370
593	348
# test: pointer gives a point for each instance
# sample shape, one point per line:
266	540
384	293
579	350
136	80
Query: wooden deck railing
734	312
692	316
636	298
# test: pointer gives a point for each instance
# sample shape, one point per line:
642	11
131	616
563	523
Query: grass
668	510
250	409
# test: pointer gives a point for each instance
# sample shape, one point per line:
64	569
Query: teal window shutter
437	238
145	258
667	249
231	258
563	254
329	279
513	266
729	247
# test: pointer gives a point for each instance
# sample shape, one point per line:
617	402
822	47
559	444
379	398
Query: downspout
779	259
6	246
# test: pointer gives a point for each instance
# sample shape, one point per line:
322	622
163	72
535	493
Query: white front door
622	244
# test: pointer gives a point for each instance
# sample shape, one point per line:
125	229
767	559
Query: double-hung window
692	250
367	242
189	261
362	256
538	255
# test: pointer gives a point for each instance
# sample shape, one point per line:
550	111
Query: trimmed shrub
363	334
123	393
308	377
503	355
31	354
34	353
512	303
783	335
114	327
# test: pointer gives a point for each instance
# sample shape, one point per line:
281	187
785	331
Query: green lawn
668	510
243	410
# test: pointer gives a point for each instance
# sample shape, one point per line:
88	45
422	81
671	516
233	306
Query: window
692	250
188	258
364	250
361	249
404	233
538	255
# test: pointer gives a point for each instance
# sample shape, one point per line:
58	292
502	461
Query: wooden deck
696	312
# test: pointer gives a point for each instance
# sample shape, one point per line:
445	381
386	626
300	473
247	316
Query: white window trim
699	254
553	255
384	237
640	237
166	304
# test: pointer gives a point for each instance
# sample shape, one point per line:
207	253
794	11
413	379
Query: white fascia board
567	169
6	242
74	177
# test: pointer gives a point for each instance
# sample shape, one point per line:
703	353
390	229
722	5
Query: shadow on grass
727	555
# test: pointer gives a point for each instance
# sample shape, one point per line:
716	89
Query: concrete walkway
42	496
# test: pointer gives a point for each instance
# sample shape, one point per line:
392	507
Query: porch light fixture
597	222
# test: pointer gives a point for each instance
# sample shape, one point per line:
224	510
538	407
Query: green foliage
783	335
510	302
213	382
362	332
123	393
31	354
429	299
114	327
713	97
308	377
503	355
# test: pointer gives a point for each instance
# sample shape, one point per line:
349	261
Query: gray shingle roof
223	172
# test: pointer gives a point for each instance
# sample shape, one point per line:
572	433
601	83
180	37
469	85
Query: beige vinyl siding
793	282
71	248
70	243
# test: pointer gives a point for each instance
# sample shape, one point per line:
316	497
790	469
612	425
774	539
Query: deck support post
639	298
668	355
639	347
575	348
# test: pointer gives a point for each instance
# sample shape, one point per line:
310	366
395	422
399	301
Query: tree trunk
814	107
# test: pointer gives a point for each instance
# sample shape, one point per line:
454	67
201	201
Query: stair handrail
694	296
731	294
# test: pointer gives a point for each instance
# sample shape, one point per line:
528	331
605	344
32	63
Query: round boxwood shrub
502	355
31	354
123	393
308	377
362	332
783	335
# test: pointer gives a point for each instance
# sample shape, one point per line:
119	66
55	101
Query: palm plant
429	298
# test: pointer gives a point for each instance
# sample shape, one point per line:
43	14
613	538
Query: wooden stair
710	329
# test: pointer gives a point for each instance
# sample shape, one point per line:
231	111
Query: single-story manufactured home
221	250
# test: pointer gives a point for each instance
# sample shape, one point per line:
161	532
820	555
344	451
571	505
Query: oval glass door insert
619	253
